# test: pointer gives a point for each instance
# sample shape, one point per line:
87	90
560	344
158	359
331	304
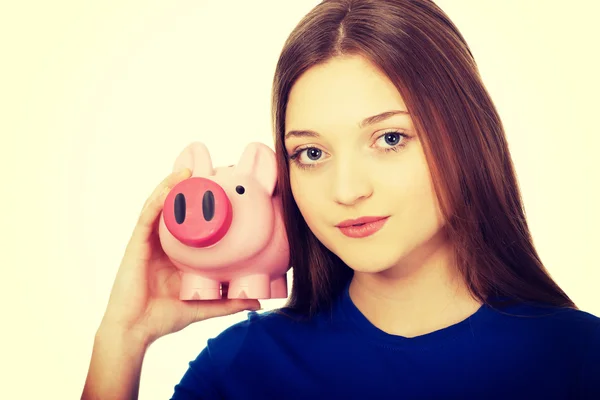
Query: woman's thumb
202	310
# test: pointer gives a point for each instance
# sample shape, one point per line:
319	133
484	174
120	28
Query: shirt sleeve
590	378
203	378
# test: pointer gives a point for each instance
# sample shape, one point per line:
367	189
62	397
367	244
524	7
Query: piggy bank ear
258	161
197	158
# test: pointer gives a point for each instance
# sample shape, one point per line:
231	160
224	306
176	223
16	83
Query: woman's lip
364	230
361	220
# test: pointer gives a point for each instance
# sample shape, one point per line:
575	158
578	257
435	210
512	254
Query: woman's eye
313	153
390	139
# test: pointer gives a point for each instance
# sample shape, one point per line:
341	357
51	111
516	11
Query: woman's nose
351	183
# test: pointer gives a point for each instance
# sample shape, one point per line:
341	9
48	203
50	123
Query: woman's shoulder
579	332
260	323
579	319
561	328
257	330
544	316
560	316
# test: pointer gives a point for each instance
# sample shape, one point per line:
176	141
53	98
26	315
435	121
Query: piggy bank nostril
179	208
240	189
208	205
197	212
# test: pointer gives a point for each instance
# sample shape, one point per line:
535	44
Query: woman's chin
371	265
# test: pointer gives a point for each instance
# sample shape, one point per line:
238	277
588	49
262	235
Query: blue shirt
540	354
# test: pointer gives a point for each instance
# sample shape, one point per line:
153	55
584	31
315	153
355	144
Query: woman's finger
202	310
154	204
168	181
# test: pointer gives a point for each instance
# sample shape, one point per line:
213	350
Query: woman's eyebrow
365	122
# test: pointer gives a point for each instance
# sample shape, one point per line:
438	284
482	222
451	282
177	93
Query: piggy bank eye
240	189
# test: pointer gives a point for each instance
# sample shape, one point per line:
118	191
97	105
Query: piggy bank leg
250	287
195	287
279	289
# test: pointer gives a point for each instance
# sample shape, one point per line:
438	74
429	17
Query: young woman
379	112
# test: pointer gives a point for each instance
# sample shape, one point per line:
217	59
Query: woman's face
343	170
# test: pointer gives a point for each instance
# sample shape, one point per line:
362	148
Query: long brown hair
414	43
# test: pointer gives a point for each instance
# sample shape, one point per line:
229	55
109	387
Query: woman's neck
420	295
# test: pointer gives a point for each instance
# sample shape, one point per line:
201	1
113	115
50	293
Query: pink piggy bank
224	225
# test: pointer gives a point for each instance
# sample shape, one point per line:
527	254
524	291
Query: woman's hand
144	301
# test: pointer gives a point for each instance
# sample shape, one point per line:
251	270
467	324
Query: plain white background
97	98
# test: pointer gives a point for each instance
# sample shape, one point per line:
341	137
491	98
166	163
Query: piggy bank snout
197	212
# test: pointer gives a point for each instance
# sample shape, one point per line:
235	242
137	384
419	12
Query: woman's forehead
341	91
